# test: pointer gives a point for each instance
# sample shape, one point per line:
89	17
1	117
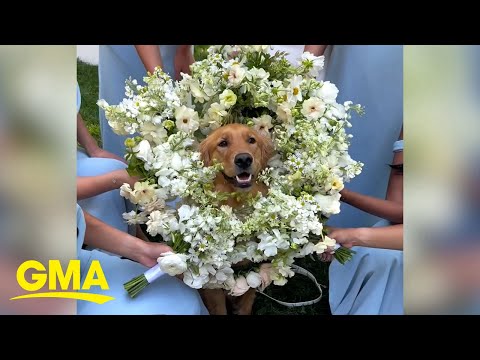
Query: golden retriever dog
243	152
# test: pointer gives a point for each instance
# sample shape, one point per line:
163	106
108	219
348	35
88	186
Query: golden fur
225	145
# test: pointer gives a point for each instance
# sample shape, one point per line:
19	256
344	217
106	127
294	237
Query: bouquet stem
343	254
137	284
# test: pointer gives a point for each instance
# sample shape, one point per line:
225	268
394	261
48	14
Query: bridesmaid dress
116	64
371	283
371	75
108	206
165	296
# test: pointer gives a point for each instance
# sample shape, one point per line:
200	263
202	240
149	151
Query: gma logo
68	279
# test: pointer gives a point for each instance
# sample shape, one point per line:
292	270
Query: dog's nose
243	161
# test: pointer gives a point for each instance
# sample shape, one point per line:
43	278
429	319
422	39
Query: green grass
299	288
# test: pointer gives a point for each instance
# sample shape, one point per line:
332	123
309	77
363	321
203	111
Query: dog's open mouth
242	180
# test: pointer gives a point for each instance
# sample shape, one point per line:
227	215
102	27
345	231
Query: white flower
313	108
241	287
144	193
270	244
228	98
295	93
172	264
254	279
133	218
329	204
153	133
185	212
328	92
236	75
320	247
334	183
195	281
187	119
312	62
217	112
198	93
263	124
329	242
284	113
143	151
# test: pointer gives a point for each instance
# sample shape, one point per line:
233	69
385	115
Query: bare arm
84	138
392	207
88	186
387	237
386	209
150	56
395	183
103	236
183	60
316	50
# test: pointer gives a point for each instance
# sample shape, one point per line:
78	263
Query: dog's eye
223	143
251	140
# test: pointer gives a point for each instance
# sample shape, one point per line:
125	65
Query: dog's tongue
244	178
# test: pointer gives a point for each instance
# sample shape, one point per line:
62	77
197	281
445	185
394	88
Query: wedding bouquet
247	85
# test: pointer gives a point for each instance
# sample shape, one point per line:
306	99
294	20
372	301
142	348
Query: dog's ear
205	146
266	147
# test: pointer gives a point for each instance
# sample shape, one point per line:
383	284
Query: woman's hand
121	177
150	252
345	237
183	59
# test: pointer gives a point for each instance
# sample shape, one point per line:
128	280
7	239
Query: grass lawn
299	288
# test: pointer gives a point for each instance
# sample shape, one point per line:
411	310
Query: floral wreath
247	85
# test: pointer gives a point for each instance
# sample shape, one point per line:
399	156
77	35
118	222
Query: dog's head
242	151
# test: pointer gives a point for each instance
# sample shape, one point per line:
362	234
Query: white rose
254	279
143	151
236	75
172	264
329	204
313	108
241	287
228	98
284	113
320	247
328	92
266	275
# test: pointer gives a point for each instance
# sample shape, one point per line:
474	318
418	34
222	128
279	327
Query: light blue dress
371	75
108	206
165	296
371	283
116	64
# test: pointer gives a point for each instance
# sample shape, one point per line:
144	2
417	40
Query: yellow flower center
295	91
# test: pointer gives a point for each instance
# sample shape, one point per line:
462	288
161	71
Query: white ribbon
153	273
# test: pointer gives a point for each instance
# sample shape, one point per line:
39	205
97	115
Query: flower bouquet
246	85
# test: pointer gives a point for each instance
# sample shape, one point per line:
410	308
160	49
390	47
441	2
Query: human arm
150	56
86	140
392	207
183	59
386	209
88	186
385	237
316	50
103	236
